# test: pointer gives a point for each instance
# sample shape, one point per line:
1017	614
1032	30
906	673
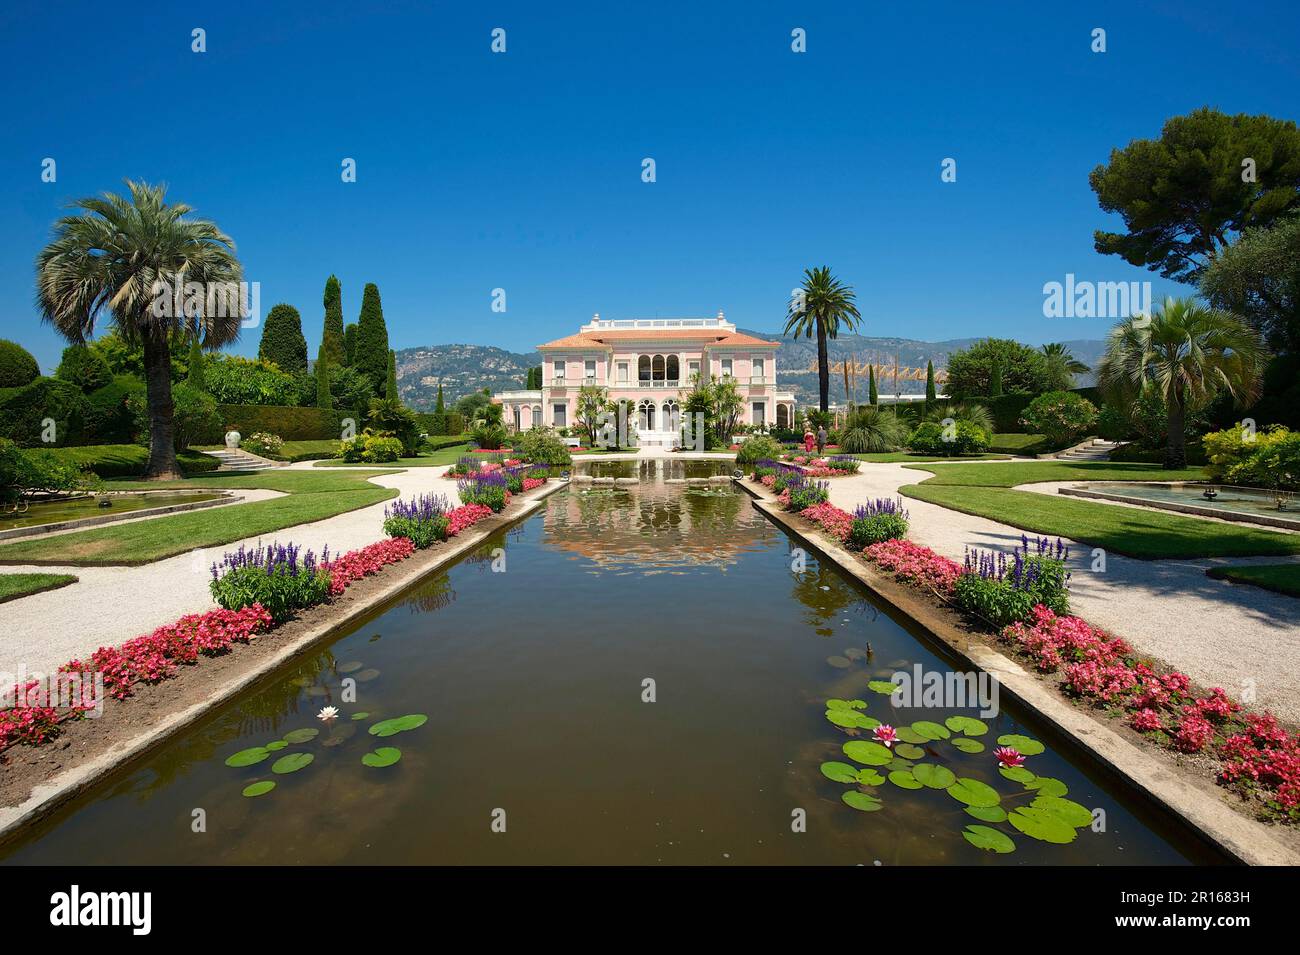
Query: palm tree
1062	366
1185	353
824	304
130	259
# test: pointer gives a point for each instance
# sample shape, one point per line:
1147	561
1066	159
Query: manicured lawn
13	586
1026	444
126	460
1284	578
430	459
906	457
311	496
985	490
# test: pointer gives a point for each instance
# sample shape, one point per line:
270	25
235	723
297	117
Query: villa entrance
645	416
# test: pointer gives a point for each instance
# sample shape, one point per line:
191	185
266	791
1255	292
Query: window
758	368
692	369
757	416
559	368
589	368
726	367
559	415
622	371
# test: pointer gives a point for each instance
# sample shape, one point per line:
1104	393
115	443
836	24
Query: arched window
658	368
672	419
782	416
537	416
518	419
673	368
645	415
643	368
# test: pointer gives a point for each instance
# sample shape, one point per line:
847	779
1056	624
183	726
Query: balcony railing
659	383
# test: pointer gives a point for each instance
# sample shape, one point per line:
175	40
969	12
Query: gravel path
111	604
1242	638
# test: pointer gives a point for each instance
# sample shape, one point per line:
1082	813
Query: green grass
13	586
429	459
311	496
126	460
907	457
985	490
1024	444
1283	578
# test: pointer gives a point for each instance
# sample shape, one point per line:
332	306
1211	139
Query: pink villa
649	361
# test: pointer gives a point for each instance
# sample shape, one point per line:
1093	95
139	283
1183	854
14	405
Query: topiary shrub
108	419
84	368
1062	416
289	422
756	448
45	408
962	437
17	366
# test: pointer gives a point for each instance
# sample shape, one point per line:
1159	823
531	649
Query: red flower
1008	758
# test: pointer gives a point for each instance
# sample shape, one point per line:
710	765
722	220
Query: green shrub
541	445
194	416
290	423
807	494
263	443
388	416
756	448
870	430
17	366
865	531
370	449
282	341
1268	458
489	437
25	410
23	472
108	419
931	437
1063	416
84	368
235	380
280	592
1113	424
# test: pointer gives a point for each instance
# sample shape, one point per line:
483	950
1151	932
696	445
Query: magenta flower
1008	758
885	733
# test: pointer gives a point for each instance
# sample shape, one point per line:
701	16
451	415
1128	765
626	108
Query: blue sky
523	170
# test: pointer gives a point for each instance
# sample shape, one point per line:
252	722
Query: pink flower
884	733
1008	758
1145	721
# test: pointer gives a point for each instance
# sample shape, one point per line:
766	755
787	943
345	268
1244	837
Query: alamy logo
935	689
1118	300
75	907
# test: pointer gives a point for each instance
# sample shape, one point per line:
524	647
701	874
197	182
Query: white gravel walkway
108	605
1242	638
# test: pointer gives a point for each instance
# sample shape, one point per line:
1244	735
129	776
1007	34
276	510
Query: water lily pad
870	777
987	813
858	704
275	745
854	653
967	725
883	687
904	779
908	751
935	777
984	837
259	788
1043	825
968	745
351	666
1047	786
383	756
365	676
399	724
867	752
838	705
360	716
930	730
1022	744
247	757
1017	774
972	792
909	735
862	801
839	772
839	662
291	763
1069	812
301	736
847	718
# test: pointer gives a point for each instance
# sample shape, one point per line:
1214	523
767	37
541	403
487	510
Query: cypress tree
324	399
371	354
930	393
871	385
332	347
350	345
995	380
282	339
390	391
439	408
195	376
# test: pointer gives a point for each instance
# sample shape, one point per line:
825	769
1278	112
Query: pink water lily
1008	758
884	733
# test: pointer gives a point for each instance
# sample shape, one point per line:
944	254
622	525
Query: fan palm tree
1062	366
1185	353
129	259
825	304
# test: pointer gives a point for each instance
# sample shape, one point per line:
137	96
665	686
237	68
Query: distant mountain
462	369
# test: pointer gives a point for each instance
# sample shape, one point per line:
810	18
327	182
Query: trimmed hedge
1132	453
23	412
433	423
17	366
108	419
128	460
290	423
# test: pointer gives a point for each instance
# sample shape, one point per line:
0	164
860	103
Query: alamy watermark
1075	299
195	300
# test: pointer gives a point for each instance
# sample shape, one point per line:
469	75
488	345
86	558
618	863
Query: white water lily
328	713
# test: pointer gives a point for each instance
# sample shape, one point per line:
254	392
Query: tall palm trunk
1176	448
158	383
823	366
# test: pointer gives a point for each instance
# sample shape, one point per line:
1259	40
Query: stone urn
232	439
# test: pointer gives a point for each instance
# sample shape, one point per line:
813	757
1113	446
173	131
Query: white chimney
596	317
721	317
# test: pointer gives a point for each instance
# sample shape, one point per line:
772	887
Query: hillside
461	369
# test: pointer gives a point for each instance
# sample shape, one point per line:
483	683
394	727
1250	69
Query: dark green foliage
873	395
757	447
332	344
125	460
108	419
1018	368
24	410
439	408
371	355
390	386
1183	195
930	393
542	446
388	417
966	438
865	531
281	590
323	397
282	339
17	366
197	372
290	423
995	380
350	344
195	419
124	359
84	368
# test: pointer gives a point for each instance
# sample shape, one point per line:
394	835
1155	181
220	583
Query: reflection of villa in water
654	527
648	362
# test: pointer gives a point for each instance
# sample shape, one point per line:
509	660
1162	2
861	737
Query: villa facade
650	362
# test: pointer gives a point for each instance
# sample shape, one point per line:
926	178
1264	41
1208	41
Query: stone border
227	497
74	781
1240	838
1238	517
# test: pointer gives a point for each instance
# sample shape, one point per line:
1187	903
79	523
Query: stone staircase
233	459
1095	449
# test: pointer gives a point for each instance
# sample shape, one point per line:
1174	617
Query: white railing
659	383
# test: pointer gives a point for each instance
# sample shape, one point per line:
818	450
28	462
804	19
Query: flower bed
370	559
465	516
833	521
914	564
422	519
282	578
